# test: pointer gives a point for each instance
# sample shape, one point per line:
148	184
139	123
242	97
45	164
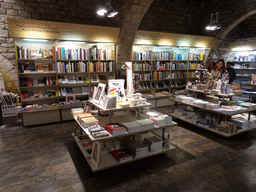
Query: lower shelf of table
212	130
109	161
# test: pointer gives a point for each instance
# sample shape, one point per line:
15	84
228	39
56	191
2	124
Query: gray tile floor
46	158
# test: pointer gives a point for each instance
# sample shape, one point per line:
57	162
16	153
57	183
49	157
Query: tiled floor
46	158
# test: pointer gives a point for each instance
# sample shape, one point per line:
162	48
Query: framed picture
100	91
116	87
96	153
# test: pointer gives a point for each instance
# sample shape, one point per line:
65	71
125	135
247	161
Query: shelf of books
53	68
157	64
115	144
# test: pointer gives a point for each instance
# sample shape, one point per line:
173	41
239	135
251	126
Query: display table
107	159
225	113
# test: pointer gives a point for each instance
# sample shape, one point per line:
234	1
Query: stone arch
223	33
132	18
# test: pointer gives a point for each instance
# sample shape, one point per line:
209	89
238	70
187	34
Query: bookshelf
158	68
48	70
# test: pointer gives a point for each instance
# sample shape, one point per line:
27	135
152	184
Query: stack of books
122	155
212	106
155	144
167	119
76	103
159	121
99	134
146	124
139	148
248	105
87	120
115	129
132	126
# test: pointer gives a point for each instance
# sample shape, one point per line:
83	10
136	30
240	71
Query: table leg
139	112
249	116
110	117
163	132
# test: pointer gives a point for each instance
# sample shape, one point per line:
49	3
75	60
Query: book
115	129
47	54
85	90
36	53
122	155
99	134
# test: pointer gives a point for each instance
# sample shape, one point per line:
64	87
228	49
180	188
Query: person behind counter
218	70
231	71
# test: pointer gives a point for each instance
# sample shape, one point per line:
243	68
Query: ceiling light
214	25
41	40
102	12
112	14
107	10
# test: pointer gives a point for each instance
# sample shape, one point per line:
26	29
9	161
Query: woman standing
218	70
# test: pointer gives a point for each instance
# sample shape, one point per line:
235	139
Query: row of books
166	55
183	75
157	85
154	85
64	91
160	75
38	82
30	67
34	53
38	94
73	79
141	67
64	53
69	54
165	66
70	67
142	76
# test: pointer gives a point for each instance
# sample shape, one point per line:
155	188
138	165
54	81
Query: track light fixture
107	10
214	25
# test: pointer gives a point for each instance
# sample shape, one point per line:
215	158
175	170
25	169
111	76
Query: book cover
47	54
36	53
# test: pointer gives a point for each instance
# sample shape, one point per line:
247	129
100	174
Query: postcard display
50	70
115	143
